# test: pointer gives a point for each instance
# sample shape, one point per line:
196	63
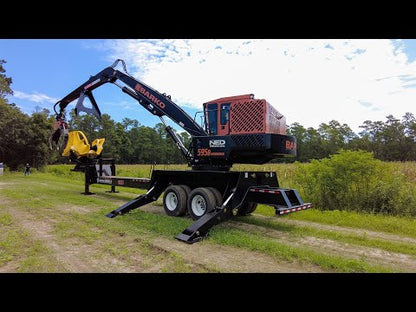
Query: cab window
212	118
225	113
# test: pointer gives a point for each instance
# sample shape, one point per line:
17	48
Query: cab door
224	119
211	118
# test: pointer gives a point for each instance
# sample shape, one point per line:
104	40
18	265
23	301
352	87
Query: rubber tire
207	195
246	208
180	193
187	190
218	196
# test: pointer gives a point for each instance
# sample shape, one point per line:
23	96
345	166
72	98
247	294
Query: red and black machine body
242	129
238	129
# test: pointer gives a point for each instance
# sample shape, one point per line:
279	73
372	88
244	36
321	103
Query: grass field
48	226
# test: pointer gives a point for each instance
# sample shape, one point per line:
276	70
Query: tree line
128	141
24	138
391	140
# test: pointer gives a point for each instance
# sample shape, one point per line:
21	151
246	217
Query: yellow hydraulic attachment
79	146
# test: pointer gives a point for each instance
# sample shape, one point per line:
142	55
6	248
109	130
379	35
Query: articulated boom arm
156	103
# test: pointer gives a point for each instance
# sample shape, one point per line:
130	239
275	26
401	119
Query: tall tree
394	140
13	125
5	83
15	130
113	139
86	123
409	122
299	132
334	136
40	154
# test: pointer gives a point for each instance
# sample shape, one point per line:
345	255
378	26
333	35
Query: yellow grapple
79	146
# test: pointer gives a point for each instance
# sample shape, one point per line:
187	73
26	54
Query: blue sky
45	70
308	81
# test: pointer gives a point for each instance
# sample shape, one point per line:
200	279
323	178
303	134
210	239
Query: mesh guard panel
249	141
248	117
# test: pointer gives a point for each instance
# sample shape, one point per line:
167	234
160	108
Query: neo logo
216	143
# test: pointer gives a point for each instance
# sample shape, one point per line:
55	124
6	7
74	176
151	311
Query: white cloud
34	97
309	81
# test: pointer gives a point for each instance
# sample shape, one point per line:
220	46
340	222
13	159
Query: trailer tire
174	201
187	190
246	208
218	196
201	201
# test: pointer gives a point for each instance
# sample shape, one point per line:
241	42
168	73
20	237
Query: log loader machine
236	129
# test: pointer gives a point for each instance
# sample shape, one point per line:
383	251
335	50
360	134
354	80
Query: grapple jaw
94	110
59	134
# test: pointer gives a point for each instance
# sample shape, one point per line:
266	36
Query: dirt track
73	256
122	252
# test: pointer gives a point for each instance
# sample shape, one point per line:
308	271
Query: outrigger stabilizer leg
150	196
192	234
198	230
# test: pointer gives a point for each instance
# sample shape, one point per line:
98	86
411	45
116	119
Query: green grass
39	258
285	172
5	219
280	251
140	222
46	190
356	239
79	228
27	253
11	243
399	225
404	226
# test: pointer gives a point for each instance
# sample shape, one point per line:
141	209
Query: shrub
355	180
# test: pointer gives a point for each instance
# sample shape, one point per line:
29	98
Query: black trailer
209	197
